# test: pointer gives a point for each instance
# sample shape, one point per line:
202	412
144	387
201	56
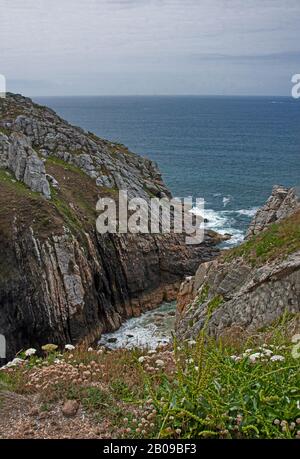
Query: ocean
228	150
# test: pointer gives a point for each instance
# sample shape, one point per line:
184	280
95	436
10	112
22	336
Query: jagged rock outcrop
282	203
250	286
60	280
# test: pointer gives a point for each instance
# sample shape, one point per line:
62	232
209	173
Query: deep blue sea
228	150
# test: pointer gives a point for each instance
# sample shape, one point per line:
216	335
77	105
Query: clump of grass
214	394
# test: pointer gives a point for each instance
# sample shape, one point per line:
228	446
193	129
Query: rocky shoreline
61	281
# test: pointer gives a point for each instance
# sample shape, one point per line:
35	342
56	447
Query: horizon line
158	95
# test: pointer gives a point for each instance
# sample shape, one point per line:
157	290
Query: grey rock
282	203
245	296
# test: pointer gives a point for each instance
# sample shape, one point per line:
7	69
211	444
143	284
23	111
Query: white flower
277	358
255	356
69	347
192	342
160	363
30	351
141	359
152	351
100	351
57	361
268	352
190	361
197	368
90	349
248	351
236	358
15	362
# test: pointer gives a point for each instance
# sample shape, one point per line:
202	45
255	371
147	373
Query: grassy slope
279	240
196	390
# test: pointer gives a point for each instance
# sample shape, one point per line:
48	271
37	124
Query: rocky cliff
61	281
251	286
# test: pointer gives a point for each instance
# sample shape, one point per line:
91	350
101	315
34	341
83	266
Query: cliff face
250	286
282	203
60	280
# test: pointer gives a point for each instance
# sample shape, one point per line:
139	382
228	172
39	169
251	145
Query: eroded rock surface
60	280
251	286
282	203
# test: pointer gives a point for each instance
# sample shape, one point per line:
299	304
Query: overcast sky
87	47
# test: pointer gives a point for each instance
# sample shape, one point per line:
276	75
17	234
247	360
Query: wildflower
255	356
125	420
90	349
268	352
15	362
178	431
160	363
196	368
236	358
49	347
152	351
277	358
192	342
298	421
69	347
190	361
30	352
141	359
57	361
276	422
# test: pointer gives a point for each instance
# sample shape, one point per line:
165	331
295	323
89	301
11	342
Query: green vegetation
214	303
5	131
67	166
279	240
200	389
204	294
8	179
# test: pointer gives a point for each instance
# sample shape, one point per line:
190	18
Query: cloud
135	40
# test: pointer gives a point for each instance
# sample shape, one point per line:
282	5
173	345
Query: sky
149	47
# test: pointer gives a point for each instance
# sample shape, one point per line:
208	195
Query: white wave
226	200
150	330
248	212
237	237
223	222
